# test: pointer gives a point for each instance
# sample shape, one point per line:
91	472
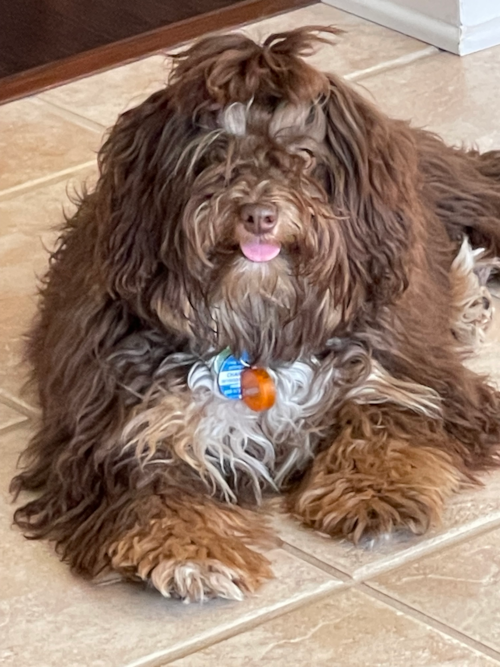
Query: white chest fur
267	446
263	445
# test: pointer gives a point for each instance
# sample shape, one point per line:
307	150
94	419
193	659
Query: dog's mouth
259	250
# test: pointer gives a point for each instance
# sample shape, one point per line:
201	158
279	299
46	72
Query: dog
272	287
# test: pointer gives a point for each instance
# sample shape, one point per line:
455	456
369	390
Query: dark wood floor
45	42
37	32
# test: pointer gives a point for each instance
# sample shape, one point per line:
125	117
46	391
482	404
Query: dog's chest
265	445
230	441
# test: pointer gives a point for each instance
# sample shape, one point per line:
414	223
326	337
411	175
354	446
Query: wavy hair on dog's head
233	68
244	124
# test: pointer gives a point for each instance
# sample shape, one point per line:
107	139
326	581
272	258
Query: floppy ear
371	172
140	194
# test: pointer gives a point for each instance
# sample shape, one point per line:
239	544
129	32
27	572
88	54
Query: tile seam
160	658
366	572
474	530
316	562
12	427
18	405
395	63
69	114
429	621
49	179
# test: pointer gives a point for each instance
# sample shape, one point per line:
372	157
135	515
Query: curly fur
387	238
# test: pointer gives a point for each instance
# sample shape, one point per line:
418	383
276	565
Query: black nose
258	218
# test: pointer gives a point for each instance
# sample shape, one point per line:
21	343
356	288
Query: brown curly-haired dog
260	206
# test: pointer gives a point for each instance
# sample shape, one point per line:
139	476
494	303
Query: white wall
459	26
443	10
474	12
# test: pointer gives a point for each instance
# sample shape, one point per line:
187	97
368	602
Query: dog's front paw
193	567
366	515
229	571
196	581
367	488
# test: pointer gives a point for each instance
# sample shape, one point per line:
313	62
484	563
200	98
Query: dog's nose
258	218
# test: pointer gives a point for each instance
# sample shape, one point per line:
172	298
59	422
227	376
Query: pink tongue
260	252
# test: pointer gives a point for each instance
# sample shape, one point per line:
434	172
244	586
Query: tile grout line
69	114
389	65
18	405
13	427
422	550
367	572
315	562
165	657
51	178
428	620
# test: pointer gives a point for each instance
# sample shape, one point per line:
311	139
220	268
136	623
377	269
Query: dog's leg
145	514
386	469
186	544
190	547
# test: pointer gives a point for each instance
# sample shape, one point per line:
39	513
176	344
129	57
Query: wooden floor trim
68	69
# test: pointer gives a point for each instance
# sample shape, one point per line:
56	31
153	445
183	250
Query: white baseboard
461	40
405	20
478	37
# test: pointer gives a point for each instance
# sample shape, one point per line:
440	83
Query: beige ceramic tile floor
430	601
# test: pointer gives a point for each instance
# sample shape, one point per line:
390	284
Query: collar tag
228	370
237	380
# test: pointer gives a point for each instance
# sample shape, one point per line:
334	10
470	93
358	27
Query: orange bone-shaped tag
257	389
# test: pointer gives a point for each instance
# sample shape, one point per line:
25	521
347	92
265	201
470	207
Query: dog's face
260	238
249	201
255	195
